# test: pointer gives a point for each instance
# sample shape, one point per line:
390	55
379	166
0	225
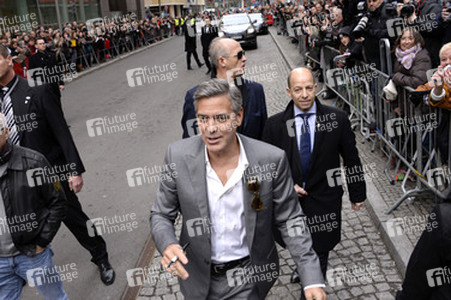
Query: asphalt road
156	108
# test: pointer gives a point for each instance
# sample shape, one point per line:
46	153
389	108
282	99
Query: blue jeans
39	271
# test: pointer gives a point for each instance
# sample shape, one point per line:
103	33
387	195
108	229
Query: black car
240	28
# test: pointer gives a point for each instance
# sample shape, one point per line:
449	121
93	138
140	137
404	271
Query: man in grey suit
231	191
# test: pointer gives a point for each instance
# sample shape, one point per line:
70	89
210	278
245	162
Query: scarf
5	154
406	57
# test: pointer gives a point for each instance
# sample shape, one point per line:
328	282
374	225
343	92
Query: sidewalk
399	239
119	57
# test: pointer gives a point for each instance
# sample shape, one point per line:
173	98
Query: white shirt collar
242	161
312	109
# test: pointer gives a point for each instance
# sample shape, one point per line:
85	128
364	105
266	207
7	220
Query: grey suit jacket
184	190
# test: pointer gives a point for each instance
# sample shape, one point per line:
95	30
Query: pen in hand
176	258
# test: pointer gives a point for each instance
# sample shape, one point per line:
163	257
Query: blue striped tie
305	145
7	109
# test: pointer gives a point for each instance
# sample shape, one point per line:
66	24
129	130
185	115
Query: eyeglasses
254	186
240	54
221	118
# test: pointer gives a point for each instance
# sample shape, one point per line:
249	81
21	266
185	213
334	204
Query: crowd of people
83	44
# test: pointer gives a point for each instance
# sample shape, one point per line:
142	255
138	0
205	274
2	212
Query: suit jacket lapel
319	135
292	141
195	163
250	215
21	98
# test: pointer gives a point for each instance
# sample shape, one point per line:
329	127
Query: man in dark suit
229	61
428	274
314	157
209	32
46	59
226	213
191	42
37	122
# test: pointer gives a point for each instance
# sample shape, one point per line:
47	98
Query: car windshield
255	17
235	20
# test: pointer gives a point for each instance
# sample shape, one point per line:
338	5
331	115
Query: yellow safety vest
192	22
176	21
182	21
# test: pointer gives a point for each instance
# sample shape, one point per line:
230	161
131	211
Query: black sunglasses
240	54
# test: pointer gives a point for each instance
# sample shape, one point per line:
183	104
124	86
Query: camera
361	27
447	6
391	8
408	9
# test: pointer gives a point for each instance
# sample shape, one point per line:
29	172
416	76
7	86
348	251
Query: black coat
190	37
376	30
206	38
47	59
46	201
50	134
329	145
431	252
430	28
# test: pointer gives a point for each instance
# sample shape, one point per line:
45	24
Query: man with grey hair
228	62
30	215
230	190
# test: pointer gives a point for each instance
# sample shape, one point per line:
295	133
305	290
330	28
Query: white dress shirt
311	123
228	233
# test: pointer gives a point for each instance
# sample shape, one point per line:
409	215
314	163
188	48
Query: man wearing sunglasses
228	60
315	137
229	206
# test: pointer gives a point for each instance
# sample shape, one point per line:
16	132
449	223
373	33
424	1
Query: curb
399	247
118	58
144	261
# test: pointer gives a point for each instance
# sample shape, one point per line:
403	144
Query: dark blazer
190	37
50	134
255	111
431	252
206	38
47	59
328	146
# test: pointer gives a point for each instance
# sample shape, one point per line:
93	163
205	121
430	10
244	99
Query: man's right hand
300	191
315	293
176	268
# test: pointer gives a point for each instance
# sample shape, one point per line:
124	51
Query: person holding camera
371	28
444	21
423	15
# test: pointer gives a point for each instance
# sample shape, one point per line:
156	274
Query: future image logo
149	75
438	276
437	177
395	27
336	77
109	125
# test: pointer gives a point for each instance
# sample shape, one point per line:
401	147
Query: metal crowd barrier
398	128
88	54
